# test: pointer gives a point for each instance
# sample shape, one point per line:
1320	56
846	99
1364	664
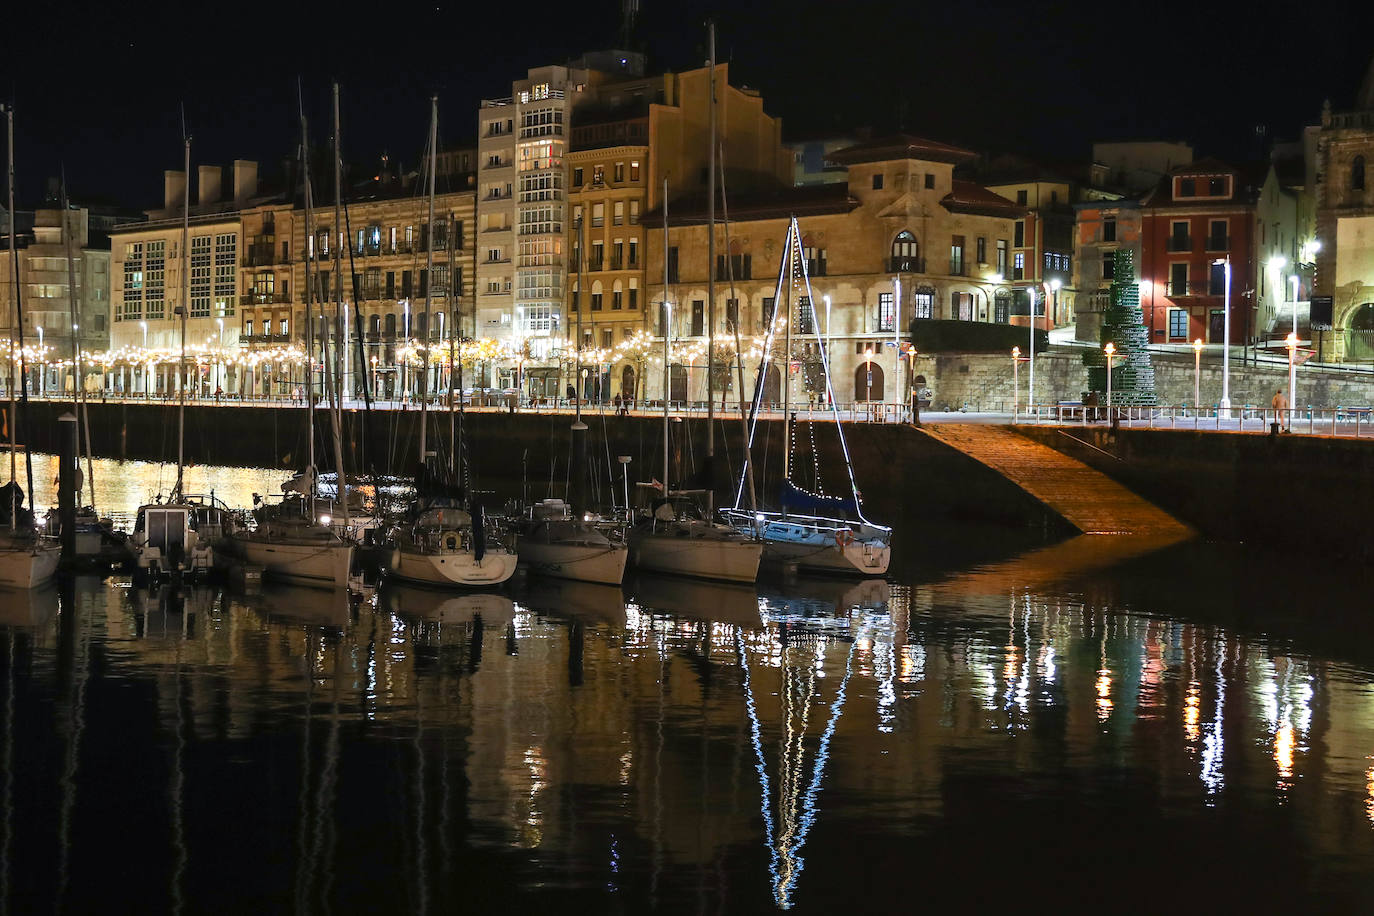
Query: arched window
906	254
1357	174
596	295
617	296
627	382
391	324
374	326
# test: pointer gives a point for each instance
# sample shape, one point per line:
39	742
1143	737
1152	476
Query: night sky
98	88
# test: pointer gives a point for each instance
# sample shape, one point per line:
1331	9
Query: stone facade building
899	242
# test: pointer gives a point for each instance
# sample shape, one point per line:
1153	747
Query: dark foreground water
1075	725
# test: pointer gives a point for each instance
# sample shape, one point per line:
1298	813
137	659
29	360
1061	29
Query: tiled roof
900	146
970	197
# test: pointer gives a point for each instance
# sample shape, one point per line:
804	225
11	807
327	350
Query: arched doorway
1359	335
868	387
677	383
772	385
627	382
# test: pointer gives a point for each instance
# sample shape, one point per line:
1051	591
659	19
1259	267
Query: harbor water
1004	722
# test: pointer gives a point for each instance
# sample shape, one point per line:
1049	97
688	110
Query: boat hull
317	565
453	568
583	562
857	558
723	560
28	567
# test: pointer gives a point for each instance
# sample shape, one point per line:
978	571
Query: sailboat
294	542
675	537
809	531
175	539
444	544
27	559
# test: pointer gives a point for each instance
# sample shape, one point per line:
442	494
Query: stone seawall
984	381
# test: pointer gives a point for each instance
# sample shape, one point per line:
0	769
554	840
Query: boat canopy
790	496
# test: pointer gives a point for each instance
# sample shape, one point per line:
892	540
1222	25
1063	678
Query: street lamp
1015	382
1296	283
868	367
1110	350
220	375
43	363
1055	284
1225	334
1030	385
1197	374
144	326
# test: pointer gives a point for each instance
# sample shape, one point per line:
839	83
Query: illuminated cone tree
1133	376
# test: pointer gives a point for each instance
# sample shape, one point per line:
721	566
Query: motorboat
552	542
445	547
674	538
167	540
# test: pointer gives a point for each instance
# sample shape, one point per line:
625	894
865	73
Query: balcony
372	292
596	265
1219	243
264	298
1179	243
615	264
259	255
904	266
1179	290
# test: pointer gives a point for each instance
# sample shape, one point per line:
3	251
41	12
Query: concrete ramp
1085	498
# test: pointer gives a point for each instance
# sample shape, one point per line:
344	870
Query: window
887	312
1021	197
248	328
617	297
1178	323
577	178
961	306
634	170
634	253
1109	229
930	181
731	314
1216	235
619	172
1002	257
596	296
877	181
617	254
956	256
1216	187
1018	270
607	338
598	215
815	261
806	316
1178	279
1357	173
634	293
634	213
391	284
1178	236
226	273
598	174
618	218
982	250
201	284
284	327
672	264
923	303
698	317
1018	234
1187	187
906	254
767	312
1108	266
1216	280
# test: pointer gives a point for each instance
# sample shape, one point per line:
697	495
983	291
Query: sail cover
793	497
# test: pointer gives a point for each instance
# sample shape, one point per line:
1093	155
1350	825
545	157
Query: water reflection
676	744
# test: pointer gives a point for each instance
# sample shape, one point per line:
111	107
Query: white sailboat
295	543
674	537
27	558
829	534
555	542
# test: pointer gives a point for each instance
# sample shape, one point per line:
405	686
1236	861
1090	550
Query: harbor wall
1311	495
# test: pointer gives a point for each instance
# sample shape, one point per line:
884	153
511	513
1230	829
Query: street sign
1322	313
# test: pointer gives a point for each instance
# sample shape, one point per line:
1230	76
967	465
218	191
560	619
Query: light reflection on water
676	745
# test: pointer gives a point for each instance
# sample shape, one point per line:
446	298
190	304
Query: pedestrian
1281	410
616	401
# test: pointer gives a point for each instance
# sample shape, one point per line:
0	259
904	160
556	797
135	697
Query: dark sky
98	87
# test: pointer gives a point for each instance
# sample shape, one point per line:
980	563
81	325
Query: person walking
1281	416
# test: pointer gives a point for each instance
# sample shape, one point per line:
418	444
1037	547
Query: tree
1123	324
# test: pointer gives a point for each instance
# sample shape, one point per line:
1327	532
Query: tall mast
452	310
336	392
13	417
310	293
429	271
17	324
183	311
711	281
788	253
78	391
667	314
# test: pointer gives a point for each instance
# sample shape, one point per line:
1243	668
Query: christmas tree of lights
1123	324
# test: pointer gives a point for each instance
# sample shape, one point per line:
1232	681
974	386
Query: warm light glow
1278	262
995	278
1109	349
1291	341
1055	284
1015	352
1197	345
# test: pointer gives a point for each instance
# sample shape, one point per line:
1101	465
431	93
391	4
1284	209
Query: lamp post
1110	350
1292	344
1030	385
1225	334
868	375
1296	283
42	363
1197	374
827	326
146	389
376	380
1055	284
1015	382
405	342
220	375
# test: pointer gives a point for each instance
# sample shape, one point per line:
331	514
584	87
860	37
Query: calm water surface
1073	724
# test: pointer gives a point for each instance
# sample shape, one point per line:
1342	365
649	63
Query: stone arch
627	381
1359	333
866	388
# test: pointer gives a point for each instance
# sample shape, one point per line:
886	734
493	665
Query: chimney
173	189
210	178
245	180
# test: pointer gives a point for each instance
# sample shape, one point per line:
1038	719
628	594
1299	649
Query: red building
1199	216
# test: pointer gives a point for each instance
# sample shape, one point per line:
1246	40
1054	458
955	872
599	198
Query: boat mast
429	272
745	431
17	324
183	310
310	292
788	252
667	318
711	279
78	390
336	382
451	308
13	417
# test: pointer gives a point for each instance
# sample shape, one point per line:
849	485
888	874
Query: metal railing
1341	421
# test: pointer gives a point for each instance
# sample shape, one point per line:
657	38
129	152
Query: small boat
27	559
554	543
167	541
98	544
675	539
446	547
294	549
